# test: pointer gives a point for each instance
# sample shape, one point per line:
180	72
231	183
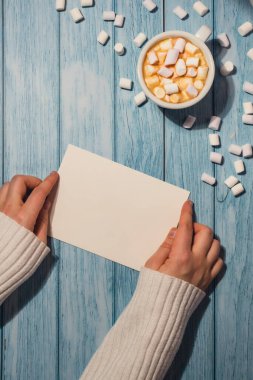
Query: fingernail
190	202
53	172
47	205
172	233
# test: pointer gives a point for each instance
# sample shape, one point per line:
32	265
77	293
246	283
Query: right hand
189	252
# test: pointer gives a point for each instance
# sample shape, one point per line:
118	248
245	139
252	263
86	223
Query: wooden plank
234	219
86	95
30	346
186	157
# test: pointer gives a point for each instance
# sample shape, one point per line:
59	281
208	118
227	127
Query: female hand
24	199
189	252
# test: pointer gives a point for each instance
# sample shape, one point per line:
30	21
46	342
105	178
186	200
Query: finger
3	194
34	203
203	239
183	239
41	226
213	252
217	268
162	254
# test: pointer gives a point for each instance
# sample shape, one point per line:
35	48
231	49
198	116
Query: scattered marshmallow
180	12
140	98
200	8
239	166
192	61
250	53
248	108
103	37
248	87
189	122
109	15
171	57
149	5
192	91
87	3
247	151
216	158
165	72
190	48
152	58
231	181
60	5
180	44
119	21
247	119
125	83
119	48
76	14
227	68
237	189
140	39
235	149
245	28
180	67
214	123
214	139
208	179
223	40
171	88
204	33
191	72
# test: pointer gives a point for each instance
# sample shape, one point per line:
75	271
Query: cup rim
197	41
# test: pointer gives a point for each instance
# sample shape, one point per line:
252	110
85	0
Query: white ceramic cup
197	42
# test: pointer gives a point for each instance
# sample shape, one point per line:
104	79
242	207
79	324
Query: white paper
111	210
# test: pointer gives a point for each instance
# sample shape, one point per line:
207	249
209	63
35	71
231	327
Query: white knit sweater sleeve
21	252
144	340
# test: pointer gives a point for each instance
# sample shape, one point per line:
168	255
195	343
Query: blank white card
112	210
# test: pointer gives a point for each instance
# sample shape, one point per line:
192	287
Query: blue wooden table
59	86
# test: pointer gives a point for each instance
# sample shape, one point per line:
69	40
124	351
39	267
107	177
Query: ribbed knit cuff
21	252
147	335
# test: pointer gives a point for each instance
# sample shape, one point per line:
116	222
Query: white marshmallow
171	88
247	119
189	122
192	61
125	83
190	48
180	12
119	21
223	40
250	53
87	3
214	123
165	72
202	72
171	57
103	37
247	151
119	48
216	157
237	189
208	179
180	67
231	181
192	91
227	68
150	70
140	39
248	87
204	33
180	44
149	5
191	72
152	58
248	108
60	5
166	44
214	139
198	84
239	166
140	98
159	92
235	149
108	16
200	8
76	14
245	28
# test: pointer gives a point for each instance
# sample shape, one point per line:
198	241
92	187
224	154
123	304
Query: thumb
41	226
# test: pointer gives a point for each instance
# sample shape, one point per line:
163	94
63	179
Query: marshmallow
223	40
190	48
165	72
247	119
245	28
119	48
149	5
119	21
192	61
152	58
189	121
214	123
247	151
198	84
140	39
103	37
200	8
180	67
235	149
202	72
159	92
140	98
76	14
87	3
150	70
180	44
191	72
237	189
171	88
231	181
248	87
248	108
60	5
214	139
216	158
208	179
227	68
204	33
125	83
192	91
108	16
180	12
166	45
250	53
171	57
239	166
